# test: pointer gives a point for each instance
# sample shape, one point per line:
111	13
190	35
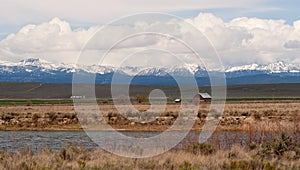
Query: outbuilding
204	97
77	97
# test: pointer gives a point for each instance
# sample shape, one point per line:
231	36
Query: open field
281	151
29	102
64	91
238	116
255	111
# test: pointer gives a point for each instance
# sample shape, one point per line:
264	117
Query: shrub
110	115
265	151
282	144
172	114
202	114
142	98
35	117
257	116
70	152
81	164
252	146
245	164
246	114
52	116
233	155
185	166
148	165
201	148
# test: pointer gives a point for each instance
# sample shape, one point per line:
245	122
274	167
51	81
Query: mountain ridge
38	70
277	67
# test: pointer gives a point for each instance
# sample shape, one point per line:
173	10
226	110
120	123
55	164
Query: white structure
77	97
177	100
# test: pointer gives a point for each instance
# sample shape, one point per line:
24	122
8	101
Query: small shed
204	97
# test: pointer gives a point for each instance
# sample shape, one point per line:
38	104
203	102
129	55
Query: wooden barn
204	97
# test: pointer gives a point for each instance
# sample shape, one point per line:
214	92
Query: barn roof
205	95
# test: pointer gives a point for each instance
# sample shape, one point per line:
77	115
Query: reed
196	156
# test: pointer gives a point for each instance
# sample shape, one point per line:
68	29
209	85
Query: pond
37	141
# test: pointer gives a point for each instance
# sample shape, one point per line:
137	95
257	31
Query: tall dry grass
197	156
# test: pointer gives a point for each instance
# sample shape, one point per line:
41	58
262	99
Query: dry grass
79	158
245	116
253	117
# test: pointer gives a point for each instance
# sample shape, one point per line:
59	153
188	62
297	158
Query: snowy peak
96	69
184	70
154	72
37	70
33	62
278	67
282	67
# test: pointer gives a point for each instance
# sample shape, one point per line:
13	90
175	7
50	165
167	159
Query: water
37	141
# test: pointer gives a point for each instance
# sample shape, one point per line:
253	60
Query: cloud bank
239	41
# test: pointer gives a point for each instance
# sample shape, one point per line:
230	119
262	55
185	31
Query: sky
242	32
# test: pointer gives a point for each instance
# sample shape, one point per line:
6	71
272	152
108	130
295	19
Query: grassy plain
255	109
64	91
269	115
261	116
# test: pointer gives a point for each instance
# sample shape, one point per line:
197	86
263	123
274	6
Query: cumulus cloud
54	40
248	40
292	44
239	41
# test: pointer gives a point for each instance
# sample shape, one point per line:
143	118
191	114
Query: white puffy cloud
239	41
54	40
248	40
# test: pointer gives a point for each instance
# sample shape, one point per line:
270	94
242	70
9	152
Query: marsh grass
196	156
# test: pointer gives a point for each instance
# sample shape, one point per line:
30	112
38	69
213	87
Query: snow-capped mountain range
278	67
38	70
33	64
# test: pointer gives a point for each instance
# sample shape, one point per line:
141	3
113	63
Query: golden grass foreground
282	153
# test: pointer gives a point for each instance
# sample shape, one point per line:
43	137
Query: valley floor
238	116
281	151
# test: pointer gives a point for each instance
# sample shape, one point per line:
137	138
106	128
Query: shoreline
139	130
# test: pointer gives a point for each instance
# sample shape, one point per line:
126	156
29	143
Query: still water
37	141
